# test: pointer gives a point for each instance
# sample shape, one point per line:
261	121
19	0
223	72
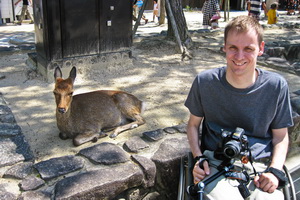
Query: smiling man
241	95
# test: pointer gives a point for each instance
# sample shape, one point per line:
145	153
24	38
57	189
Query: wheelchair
186	177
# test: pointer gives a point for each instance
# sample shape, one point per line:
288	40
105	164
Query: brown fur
83	117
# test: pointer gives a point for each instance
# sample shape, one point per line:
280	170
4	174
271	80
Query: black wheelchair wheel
289	190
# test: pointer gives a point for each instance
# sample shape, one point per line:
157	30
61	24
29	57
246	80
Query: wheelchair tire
289	190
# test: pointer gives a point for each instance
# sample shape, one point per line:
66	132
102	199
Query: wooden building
69	33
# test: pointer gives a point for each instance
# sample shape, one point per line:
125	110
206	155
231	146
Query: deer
86	117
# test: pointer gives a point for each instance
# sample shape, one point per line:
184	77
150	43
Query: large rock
295	101
167	160
293	52
35	195
6	115
135	144
31	183
59	166
148	168
8	129
154	135
275	51
99	184
279	63
105	153
5	194
14	150
19	171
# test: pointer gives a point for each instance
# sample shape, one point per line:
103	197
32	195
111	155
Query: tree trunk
226	10
177	12
177	27
162	11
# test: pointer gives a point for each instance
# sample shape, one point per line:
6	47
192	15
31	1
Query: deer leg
139	120
87	137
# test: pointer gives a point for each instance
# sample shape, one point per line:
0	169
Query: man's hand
267	182
199	173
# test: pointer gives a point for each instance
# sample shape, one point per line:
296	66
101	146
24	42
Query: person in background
24	12
255	8
134	11
215	22
210	8
291	7
155	10
139	5
273	14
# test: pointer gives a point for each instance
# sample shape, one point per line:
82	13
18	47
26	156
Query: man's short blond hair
242	24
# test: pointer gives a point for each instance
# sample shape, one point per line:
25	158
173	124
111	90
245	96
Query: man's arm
280	147
193	138
267	181
17	2
264	6
193	134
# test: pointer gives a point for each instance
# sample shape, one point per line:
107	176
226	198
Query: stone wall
105	170
294	132
102	171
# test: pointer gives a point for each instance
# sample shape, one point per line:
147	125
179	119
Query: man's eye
249	50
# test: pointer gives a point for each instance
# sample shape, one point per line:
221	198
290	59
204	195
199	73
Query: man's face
242	50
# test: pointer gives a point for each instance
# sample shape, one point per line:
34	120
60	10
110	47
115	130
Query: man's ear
261	48
223	48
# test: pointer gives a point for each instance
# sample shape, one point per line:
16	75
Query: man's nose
239	55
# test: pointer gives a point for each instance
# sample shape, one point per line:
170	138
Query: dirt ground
157	76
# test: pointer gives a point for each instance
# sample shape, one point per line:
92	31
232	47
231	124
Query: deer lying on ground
83	117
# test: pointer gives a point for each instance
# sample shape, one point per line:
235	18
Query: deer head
63	90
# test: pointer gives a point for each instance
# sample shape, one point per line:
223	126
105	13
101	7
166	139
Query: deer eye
70	94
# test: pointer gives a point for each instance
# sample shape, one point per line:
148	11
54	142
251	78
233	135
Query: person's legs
256	193
221	188
29	15
154	14
24	9
206	20
144	18
135	11
224	188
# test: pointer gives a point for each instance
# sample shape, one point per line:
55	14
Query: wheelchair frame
186	177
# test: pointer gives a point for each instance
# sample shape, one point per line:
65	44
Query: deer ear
73	74
57	73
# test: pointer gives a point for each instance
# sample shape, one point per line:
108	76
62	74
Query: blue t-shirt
139	3
263	106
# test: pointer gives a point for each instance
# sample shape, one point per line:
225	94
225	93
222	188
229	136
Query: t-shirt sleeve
283	116
193	101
